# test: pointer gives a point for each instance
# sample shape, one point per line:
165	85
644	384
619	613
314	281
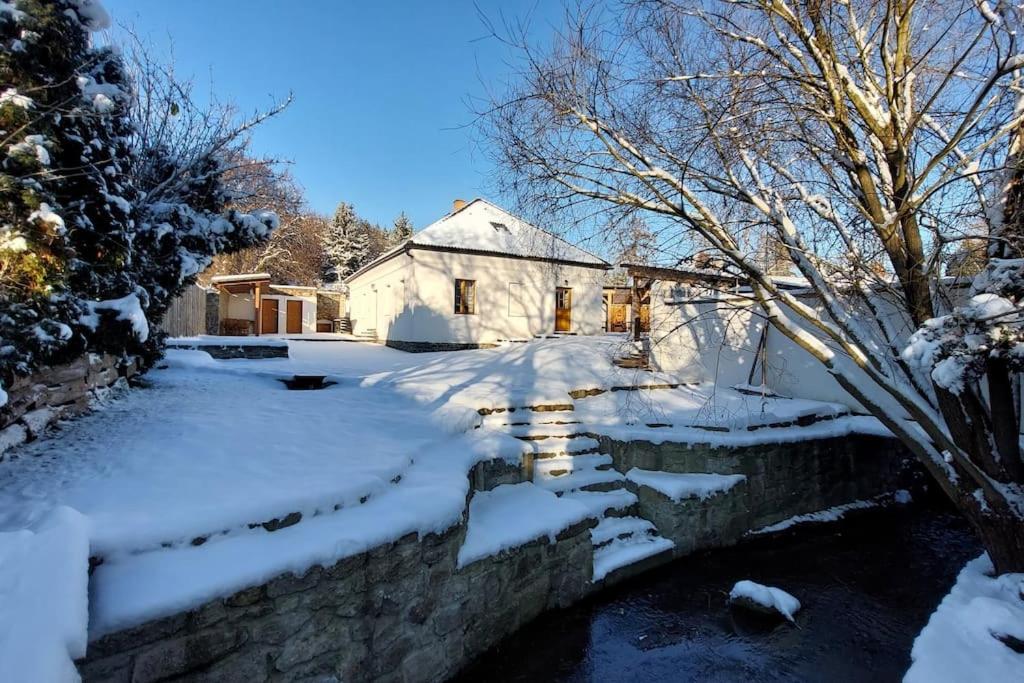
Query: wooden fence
187	315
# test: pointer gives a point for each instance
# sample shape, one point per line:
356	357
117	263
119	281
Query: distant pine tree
402	230
346	244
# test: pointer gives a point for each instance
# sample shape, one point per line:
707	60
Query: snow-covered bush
100	224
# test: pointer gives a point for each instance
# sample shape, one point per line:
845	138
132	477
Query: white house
475	277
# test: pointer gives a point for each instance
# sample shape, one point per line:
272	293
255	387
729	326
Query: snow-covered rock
765	599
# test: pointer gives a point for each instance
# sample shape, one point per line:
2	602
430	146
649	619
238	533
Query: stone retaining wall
236	350
36	401
783	480
406	611
427	347
400	612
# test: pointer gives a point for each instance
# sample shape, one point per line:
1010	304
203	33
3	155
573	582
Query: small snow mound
44	576
961	640
764	598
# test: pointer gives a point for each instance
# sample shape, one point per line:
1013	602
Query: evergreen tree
100	230
64	206
346	244
402	230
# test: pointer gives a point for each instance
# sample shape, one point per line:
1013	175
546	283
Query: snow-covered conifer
402	230
346	245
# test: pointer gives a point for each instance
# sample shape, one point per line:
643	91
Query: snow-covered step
623	553
533	432
602	503
564	464
560	447
678	486
579	480
521	418
611	529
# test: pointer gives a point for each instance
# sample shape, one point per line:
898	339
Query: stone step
583	480
622	558
557	447
611	529
617	502
560	465
538	432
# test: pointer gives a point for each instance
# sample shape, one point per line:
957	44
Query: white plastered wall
411	298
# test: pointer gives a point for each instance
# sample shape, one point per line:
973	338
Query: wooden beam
689	276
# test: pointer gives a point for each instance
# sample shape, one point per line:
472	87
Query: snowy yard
177	486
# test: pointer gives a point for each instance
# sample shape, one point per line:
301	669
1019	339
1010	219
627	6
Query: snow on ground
43	598
679	486
960	641
542	372
768	597
214	448
703	405
513	514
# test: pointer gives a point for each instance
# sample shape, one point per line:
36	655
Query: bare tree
294	253
866	136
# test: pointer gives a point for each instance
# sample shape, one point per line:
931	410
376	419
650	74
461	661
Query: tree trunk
1002	534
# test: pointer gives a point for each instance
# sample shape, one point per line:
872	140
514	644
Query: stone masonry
406	611
782	480
400	612
38	400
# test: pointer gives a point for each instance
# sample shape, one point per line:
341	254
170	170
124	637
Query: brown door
618	321
268	316
294	320
563	309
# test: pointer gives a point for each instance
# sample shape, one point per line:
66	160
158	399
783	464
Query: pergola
254	284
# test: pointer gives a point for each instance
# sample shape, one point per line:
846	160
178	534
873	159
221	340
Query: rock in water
763	599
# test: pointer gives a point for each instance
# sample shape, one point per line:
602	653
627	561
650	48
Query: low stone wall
783	480
34	402
236	350
400	612
425	347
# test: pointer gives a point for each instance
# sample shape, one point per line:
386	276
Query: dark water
867	586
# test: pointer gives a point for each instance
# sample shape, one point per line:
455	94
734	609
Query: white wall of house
378	299
412	298
718	343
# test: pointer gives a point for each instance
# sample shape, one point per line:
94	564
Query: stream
867	585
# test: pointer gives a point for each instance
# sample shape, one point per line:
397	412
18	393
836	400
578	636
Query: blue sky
382	89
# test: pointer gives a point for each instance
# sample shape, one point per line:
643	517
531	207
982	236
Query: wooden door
618	319
563	309
268	316
293	321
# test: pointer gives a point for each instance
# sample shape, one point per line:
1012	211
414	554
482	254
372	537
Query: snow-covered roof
481	226
240	277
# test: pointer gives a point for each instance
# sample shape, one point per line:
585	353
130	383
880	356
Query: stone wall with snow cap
36	401
401	611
